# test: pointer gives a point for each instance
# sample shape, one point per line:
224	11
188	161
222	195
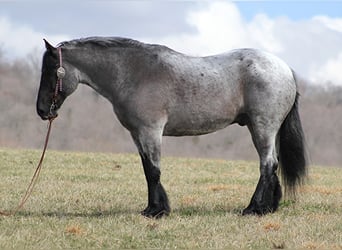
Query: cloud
331	23
330	72
220	27
312	47
17	40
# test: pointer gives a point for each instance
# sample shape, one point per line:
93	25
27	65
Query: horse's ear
49	47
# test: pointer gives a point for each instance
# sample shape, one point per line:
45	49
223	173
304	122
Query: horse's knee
268	166
152	173
269	173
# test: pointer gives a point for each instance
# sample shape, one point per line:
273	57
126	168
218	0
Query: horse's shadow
75	214
180	211
206	211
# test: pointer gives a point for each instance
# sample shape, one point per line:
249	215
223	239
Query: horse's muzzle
47	115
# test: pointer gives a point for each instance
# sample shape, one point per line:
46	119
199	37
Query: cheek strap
60	73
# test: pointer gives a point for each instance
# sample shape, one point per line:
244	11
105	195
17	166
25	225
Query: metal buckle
60	73
52	107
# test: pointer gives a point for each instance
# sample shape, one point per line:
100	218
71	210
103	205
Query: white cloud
309	46
220	27
331	23
312	47
18	40
215	26
330	72
212	31
261	33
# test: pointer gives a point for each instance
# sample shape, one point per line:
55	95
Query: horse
156	91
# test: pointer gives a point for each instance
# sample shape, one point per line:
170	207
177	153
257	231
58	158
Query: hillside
77	127
92	201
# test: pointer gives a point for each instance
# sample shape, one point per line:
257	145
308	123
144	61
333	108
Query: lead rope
60	75
34	177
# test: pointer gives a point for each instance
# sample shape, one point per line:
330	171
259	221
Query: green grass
86	201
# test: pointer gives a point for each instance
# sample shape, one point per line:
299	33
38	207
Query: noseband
59	84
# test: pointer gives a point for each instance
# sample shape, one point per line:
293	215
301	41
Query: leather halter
60	73
60	76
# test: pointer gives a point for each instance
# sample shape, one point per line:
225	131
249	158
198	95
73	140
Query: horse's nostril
42	113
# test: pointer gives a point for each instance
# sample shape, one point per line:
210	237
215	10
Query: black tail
292	153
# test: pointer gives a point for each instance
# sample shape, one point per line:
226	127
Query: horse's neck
99	70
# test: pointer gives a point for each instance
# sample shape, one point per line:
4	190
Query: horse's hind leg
149	145
268	191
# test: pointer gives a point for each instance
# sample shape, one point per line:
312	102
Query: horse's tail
292	152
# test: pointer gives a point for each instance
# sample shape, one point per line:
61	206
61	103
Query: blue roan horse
157	91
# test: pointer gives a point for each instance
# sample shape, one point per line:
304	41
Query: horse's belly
195	125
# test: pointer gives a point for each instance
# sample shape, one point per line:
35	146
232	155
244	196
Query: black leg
267	195
148	142
158	203
268	191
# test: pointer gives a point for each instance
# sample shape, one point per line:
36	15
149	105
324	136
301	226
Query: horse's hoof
154	213
249	211
256	211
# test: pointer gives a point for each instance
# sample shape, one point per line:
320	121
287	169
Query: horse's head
49	98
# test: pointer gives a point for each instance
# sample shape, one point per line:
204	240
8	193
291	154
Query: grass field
86	200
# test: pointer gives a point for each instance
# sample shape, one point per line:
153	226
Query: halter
60	76
60	73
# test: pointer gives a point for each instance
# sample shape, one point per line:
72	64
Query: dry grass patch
271	226
74	229
322	190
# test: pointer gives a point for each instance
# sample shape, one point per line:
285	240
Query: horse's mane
107	42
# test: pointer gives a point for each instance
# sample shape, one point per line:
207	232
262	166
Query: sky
305	34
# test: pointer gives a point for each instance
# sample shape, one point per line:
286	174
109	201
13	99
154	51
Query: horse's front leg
149	146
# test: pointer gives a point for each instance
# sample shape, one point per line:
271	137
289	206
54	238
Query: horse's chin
52	116
49	116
